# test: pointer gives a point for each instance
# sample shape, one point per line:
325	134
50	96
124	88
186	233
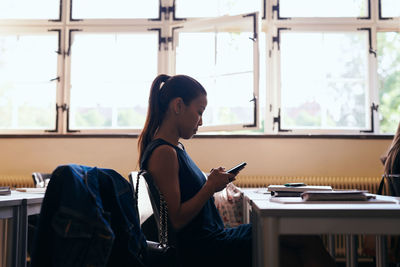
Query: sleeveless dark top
207	224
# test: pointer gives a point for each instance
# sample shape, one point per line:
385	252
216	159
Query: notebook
295	191
336	195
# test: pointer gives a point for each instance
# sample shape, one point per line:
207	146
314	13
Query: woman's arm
163	166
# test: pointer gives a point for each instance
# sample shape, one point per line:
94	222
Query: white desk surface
345	209
16	197
7	202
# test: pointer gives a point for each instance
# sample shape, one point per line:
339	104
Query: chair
41	179
154	197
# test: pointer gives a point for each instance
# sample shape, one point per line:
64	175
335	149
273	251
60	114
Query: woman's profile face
191	117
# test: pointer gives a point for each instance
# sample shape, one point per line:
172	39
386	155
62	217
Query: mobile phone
237	168
294	184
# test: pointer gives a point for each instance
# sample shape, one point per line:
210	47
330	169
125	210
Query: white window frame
228	23
22	29
69	47
272	23
278	92
166	55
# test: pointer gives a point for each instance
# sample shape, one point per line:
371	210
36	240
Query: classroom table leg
381	251
351	251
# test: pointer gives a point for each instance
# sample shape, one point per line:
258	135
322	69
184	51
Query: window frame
209	25
90	29
166	58
277	89
273	23
39	30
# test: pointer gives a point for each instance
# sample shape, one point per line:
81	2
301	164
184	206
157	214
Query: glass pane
117	9
111	75
323	8
324	80
214	8
27	97
229	85
390	8
28	9
389	80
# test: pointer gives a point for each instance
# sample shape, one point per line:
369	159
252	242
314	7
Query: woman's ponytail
155	114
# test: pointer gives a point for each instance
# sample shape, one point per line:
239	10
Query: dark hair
164	89
393	153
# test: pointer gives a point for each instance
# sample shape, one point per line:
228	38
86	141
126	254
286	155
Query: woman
176	106
392	160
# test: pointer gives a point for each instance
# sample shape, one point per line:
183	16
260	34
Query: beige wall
265	156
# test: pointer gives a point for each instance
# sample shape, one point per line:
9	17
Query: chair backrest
144	202
41	179
154	197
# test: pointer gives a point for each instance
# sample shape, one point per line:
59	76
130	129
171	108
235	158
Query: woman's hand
218	179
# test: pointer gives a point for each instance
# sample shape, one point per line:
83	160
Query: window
324	80
215	8
28	80
328	8
389	8
114	9
222	58
327	72
28	9
276	67
111	94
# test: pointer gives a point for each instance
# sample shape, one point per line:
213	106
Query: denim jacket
88	218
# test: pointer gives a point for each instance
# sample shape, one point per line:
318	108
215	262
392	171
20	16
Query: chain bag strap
163	227
163	233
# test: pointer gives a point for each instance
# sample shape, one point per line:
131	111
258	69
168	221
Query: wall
267	156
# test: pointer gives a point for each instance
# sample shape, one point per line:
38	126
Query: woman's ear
177	105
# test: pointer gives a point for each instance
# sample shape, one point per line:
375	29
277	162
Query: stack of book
5	190
352	195
296	189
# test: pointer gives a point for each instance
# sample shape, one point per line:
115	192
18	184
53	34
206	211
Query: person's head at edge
177	103
393	153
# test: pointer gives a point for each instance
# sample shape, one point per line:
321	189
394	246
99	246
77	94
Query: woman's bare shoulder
162	156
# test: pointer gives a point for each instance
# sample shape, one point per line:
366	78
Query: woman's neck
168	134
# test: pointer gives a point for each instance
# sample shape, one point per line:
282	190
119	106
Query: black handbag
159	254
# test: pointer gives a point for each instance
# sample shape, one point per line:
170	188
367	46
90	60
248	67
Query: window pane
27	97
111	75
28	9
229	84
324	81
389	80
213	8
326	8
95	9
390	8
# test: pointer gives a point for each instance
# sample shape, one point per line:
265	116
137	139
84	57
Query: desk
271	219
19	206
